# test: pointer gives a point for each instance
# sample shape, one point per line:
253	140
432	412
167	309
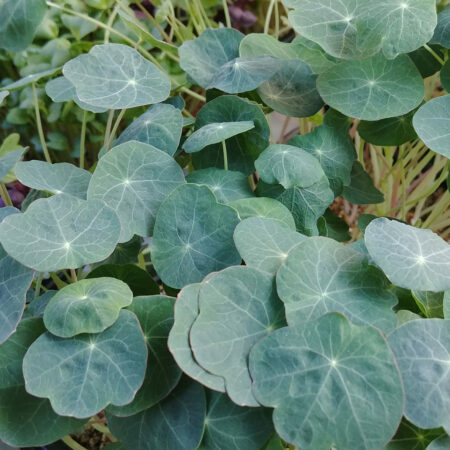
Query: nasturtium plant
225	225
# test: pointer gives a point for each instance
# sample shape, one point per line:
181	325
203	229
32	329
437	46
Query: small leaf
116	76
412	258
3	95
193	236
431	303
361	190
32	78
8	161
82	375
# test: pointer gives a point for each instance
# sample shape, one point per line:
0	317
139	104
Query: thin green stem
108	127
59	283
110	23
39	124
83	139
141	260
268	16
5	195
72	443
432	52
192	93
153	21
227	13
277	20
225	155
73	275
114	129
37	286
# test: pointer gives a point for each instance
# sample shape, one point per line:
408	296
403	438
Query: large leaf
8	161
193	236
186	311
321	275
265	243
82	375
213	133
20	19
87	306
133	179
231	427
59	178
238	307
227	185
412	258
422	350
332	384
432	124
202	57
26	420
361	190
176	423
116	76
155	314
242	149
442	30
363	89
160	126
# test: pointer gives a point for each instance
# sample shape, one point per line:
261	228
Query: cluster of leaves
253	326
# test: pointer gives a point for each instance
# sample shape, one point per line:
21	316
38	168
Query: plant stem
59	283
110	23
114	129
141	261
268	16
227	13
73	274
108	127
225	155
5	195
153	21
83	139
39	124
72	443
37	287
192	93
432	52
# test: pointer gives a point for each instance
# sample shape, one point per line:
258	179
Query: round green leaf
201	58
265	243
432	124
361	190
82	375
332	384
59	178
412	258
231	427
374	88
193	236
176	423
238	307
422	350
159	126
264	207
214	133
186	311
409	437
243	148
133	179
155	314
87	306
116	76
445	76
227	185
61	232
8	161
442	30
139	280
125	253
320	275
37	306
26	421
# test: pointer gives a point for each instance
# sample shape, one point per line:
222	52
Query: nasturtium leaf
116	76
430	303
409	437
313	54
333	227
422	351
61	232
87	306
441	443
155	314
432	124
388	132
361	190
82	375
265	243
20	21
446	305
159	126
176	423
426	63
442	30
227	185
264	207
125	253
404	315
214	133
15	279
289	166
3	95
332	384
59	178
374	88
232	427
320	275
139	280
186	311
193	236
37	306
242	149
32	78
243	74
411	257
133	179
60	89
6	211
334	150
8	161
201	58
445	76
238	306
26	420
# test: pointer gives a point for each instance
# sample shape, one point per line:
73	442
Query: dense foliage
174	275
